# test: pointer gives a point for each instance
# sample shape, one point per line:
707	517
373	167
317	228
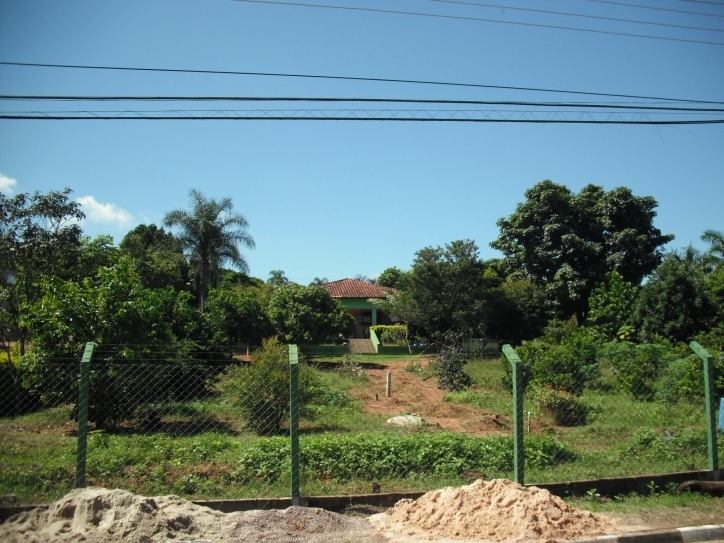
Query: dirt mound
95	515
497	510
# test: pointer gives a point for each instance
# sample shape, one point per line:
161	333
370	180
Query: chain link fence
208	423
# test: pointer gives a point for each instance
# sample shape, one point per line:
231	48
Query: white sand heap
97	515
497	510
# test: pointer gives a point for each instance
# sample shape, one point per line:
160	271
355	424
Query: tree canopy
568	242
210	233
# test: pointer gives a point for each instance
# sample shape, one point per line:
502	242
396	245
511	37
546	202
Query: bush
565	409
569	365
451	359
636	367
261	389
369	456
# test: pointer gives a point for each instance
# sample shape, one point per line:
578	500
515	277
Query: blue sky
336	199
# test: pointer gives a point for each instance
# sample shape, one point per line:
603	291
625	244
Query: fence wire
211	424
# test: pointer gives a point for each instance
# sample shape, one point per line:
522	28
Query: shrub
261	389
569	365
451	359
637	367
565	409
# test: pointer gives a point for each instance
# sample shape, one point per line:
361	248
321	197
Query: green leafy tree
261	390
210	233
517	311
39	238
567	242
610	304
392	277
127	322
236	318
277	278
674	302
308	315
158	256
447	289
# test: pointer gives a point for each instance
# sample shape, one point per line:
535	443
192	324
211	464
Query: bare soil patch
412	394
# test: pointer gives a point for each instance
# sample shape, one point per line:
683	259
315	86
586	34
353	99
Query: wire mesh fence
205	423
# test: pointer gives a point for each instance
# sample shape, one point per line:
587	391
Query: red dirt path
412	394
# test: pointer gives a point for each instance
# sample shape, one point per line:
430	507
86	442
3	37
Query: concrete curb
710	532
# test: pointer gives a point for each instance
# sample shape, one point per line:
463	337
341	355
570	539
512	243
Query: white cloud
7	184
104	213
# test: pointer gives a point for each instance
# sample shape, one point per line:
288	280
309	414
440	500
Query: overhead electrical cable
482	19
352	78
657	8
517	103
419	115
580	15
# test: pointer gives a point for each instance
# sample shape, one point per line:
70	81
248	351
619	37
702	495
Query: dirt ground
411	394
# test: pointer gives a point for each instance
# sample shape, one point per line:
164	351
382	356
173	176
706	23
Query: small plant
564	408
593	495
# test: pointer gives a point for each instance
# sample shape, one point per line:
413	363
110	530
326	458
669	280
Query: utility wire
352	100
481	19
466	116
580	15
351	78
640	6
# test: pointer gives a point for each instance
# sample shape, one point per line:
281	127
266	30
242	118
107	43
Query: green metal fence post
711	408
83	403
294	420
518	452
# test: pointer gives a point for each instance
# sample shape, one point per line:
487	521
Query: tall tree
715	254
277	278
567	242
446	290
40	237
308	315
158	256
674	302
210	233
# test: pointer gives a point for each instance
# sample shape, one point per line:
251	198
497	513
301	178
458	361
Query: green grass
202	449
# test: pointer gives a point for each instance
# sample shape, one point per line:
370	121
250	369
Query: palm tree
211	234
277	278
715	254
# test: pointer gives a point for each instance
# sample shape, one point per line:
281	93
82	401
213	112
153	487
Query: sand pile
95	515
497	510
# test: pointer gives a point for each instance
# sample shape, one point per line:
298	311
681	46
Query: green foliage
40	237
129	324
648	443
565	409
450	361
393	278
609	305
636	366
210	233
261	389
158	257
236	318
683	378
567	242
675	303
379	456
308	315
446	290
569	365
391	334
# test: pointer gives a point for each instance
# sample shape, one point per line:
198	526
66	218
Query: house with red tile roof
361	300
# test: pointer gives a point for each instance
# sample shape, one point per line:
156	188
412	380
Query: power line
640	6
351	78
580	15
455	116
480	19
516	103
